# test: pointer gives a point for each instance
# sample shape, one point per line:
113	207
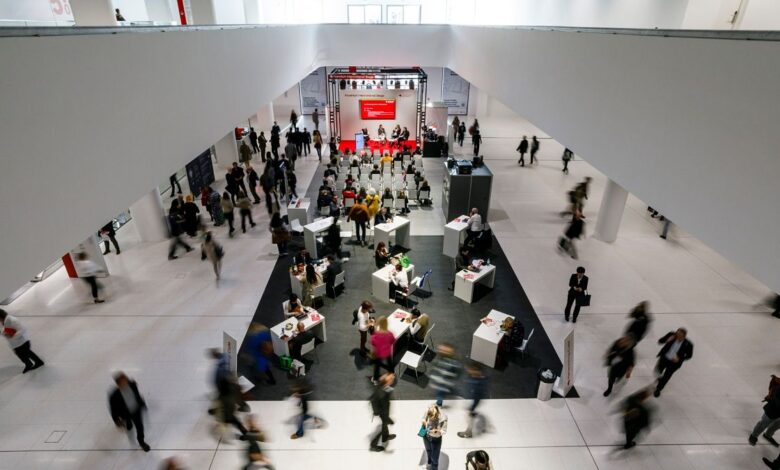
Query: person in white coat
16	334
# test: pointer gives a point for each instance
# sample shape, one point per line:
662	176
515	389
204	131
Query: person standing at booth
578	284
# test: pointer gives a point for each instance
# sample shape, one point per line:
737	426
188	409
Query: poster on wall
314	92
455	93
377	109
200	172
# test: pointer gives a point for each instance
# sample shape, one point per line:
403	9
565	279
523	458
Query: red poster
377	109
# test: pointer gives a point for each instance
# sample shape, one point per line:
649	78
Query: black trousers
566	166
174	182
175	242
93	285
246	213
137	420
306	148
262	153
29	358
253	190
360	227
229	218
242	185
476	150
108	247
522	158
533	157
384	432
255	148
386	363
573	298
666	368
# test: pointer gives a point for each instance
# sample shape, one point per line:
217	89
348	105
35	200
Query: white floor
161	316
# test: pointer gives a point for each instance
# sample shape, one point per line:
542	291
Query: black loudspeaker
411	84
354	85
343	84
464	167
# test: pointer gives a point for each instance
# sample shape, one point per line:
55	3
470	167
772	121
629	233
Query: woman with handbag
382	342
280	233
434	426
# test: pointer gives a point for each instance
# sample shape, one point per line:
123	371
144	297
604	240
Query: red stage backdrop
377	109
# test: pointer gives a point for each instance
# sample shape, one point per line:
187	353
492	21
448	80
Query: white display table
397	324
400	225
310	232
299	210
465	281
380	281
280	334
454	235
485	341
296	280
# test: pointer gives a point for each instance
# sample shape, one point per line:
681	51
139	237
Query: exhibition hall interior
392	234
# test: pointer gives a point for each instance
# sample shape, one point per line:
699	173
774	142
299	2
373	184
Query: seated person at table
515	334
325	199
334	268
381	255
303	257
325	186
382	217
387	196
462	263
420	324
295	307
297	342
404	136
396	132
366	138
311	280
375	170
381	136
399	281
398	157
402	196
386	159
332	238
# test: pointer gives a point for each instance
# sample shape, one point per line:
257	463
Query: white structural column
93	12
149	217
203	12
227	149
252	11
611	212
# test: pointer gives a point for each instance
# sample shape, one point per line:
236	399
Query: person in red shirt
382	342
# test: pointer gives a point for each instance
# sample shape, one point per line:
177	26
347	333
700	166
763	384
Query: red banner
377	109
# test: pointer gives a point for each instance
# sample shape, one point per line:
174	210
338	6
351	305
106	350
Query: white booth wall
405	112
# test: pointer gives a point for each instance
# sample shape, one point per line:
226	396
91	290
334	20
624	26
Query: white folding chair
286	309
427	339
319	292
348	203
325	211
296	226
398	203
413	361
524	347
387	202
412	195
424	196
339	281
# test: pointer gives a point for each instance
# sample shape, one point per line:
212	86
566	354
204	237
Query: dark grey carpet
340	373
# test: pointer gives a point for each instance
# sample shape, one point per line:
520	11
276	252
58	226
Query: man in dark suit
127	405
252	178
306	138
578	284
523	149
380	405
109	232
676	350
253	140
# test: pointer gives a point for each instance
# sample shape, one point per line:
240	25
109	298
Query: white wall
286	102
163	11
761	14
32	11
435	75
690	124
405	111
132	10
229	11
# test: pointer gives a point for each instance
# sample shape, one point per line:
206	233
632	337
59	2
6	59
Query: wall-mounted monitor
377	109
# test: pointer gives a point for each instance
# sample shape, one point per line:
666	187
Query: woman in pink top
382	342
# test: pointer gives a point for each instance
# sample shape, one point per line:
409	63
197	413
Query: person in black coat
770	420
109	232
575	230
676	350
176	227
306	138
253	178
253	140
126	405
476	139
640	321
620	360
334	268
231	185
523	149
578	284
380	405
534	149
238	177
636	416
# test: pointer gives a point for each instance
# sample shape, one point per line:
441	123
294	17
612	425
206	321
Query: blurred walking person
434	427
214	252
245	210
254	436
176	227
640	321
16	334
88	271
382	342
636	416
174	184
568	156
127	406
523	149
229	393
226	204
534	150
476	140
477	387
110	234
380	406
574	231
302	391
621	360
446	370
259	351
